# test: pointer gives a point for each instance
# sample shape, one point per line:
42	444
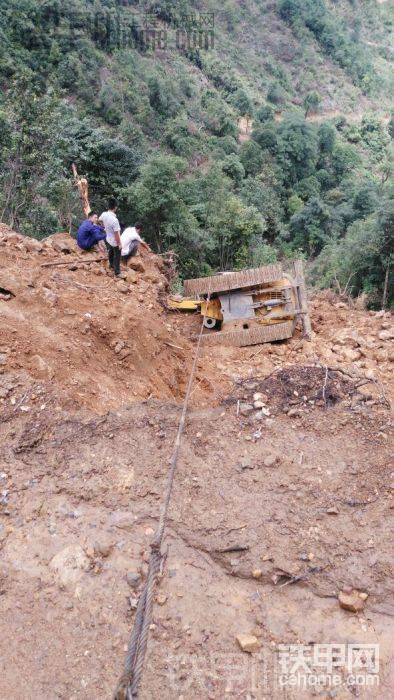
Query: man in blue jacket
89	233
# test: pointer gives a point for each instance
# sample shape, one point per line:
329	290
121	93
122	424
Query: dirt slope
297	489
98	341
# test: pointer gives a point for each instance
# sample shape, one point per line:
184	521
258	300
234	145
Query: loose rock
245	463
263	413
271	460
248	643
245	409
122	287
118	347
61	246
353	601
102	549
133	579
294	413
136	265
386	335
69	564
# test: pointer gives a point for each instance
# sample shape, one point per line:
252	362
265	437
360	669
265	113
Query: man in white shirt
112	238
131	240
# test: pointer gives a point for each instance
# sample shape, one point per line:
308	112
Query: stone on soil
270	460
102	549
136	265
386	335
245	463
245	409
248	643
294	413
69	564
353	601
133	579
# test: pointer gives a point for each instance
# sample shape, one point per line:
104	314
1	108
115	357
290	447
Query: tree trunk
385	288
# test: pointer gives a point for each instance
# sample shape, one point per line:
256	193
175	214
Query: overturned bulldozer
248	307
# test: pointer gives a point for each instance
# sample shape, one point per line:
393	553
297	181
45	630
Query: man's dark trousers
114	257
132	251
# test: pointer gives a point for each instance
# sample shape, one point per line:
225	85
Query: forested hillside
238	132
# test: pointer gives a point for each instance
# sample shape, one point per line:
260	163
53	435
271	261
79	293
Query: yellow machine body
184	304
245	307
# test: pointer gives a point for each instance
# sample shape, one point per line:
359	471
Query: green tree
297	148
374	136
233	228
177	136
265	114
219	119
25	139
162	97
365	200
251	157
311	103
261	254
266	138
294	204
276	94
326	136
233	167
289	10
111	105
156	196
308	187
206	193
363	260
344	159
265	198
242	102
309	228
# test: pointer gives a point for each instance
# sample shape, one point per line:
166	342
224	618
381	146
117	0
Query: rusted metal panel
252	336
236	305
233	280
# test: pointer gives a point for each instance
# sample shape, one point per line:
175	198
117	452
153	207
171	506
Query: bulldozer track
233	280
251	336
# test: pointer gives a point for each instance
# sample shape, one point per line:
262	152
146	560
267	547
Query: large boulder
61	243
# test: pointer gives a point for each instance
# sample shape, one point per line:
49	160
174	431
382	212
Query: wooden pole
385	288
302	298
72	262
82	185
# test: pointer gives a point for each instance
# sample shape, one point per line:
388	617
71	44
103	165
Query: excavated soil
299	385
101	342
273	513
